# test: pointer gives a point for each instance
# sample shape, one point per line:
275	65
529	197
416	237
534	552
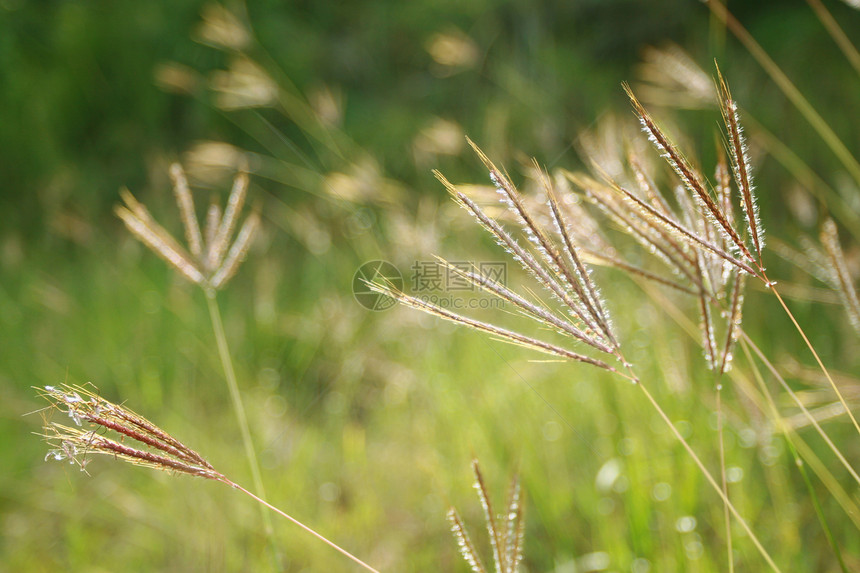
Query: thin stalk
300	524
817	505
820	469
826	476
788	88
836	32
710	478
239	408
800	405
817	358
797	459
723	477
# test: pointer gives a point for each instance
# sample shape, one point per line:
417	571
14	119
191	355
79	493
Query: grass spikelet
741	164
489	516
505	530
207	262
237	252
83	406
186	209
691	179
467	548
213	221
581	282
733	328
515	526
724	189
707	327
96	419
501	333
840	277
157	239
231	216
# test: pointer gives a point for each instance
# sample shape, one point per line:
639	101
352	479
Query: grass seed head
211	259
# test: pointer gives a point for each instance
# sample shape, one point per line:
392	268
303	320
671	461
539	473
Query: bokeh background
366	422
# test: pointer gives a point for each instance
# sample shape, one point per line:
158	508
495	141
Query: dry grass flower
213	256
103	427
707	250
506	530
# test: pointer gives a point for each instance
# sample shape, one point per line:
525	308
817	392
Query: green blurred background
366	422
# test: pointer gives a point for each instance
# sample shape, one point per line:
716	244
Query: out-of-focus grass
366	422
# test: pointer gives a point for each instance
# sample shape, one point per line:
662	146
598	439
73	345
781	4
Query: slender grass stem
710	478
758	352
300	524
723	477
673	311
821	470
238	407
826	476
817	358
788	88
798	461
837	33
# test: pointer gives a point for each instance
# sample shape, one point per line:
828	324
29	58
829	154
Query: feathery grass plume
840	278
547	269
741	164
207	262
506	530
156	449
688	175
211	262
562	292
735	316
672	78
99	423
501	333
577	288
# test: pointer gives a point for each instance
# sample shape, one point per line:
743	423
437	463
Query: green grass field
365	423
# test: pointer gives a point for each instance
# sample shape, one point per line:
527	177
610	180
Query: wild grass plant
147	445
367	421
695	235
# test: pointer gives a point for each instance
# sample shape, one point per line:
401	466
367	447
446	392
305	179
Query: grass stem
302	525
817	358
710	478
239	408
723	477
788	88
758	352
798	461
